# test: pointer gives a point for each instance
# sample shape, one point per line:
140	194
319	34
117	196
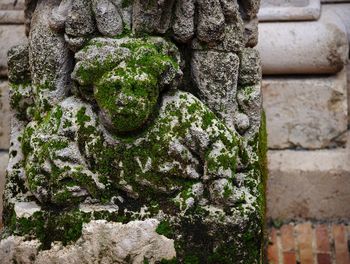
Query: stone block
306	112
11	12
10	35
4	157
287	10
4	116
309	184
314	47
342	10
11	17
12	5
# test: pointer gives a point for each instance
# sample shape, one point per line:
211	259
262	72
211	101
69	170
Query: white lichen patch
26	209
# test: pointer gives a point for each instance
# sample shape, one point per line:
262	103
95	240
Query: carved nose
123	100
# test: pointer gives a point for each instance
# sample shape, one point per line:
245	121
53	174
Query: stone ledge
306	112
9	5
317	47
289	10
309	184
11	17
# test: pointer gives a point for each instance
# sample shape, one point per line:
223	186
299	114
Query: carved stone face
126	99
127	76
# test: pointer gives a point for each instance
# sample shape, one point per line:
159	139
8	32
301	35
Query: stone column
138	134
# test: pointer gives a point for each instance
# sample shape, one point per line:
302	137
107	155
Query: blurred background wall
304	45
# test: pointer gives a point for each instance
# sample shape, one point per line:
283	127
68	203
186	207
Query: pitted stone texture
14	35
59	15
108	20
250	67
101	242
211	21
29	8
251	33
250	104
233	39
183	25
80	21
5	116
319	47
4	157
306	112
289	10
309	184
18	63
250	8
152	16
51	76
215	75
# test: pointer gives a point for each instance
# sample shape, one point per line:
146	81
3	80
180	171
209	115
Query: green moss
164	228
127	3
58	224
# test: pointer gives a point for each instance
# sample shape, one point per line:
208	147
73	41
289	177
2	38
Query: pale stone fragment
4	116
101	242
303	48
306	112
26	209
215	75
309	184
4	157
287	10
14	34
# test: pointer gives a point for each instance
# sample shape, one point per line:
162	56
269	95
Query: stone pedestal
286	10
137	134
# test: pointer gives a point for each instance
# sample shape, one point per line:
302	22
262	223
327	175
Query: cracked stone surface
137	134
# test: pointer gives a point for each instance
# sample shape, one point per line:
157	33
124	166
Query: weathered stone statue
137	134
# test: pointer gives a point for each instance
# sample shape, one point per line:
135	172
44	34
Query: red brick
341	244
324	258
304	238
272	250
322	239
287	238
289	258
